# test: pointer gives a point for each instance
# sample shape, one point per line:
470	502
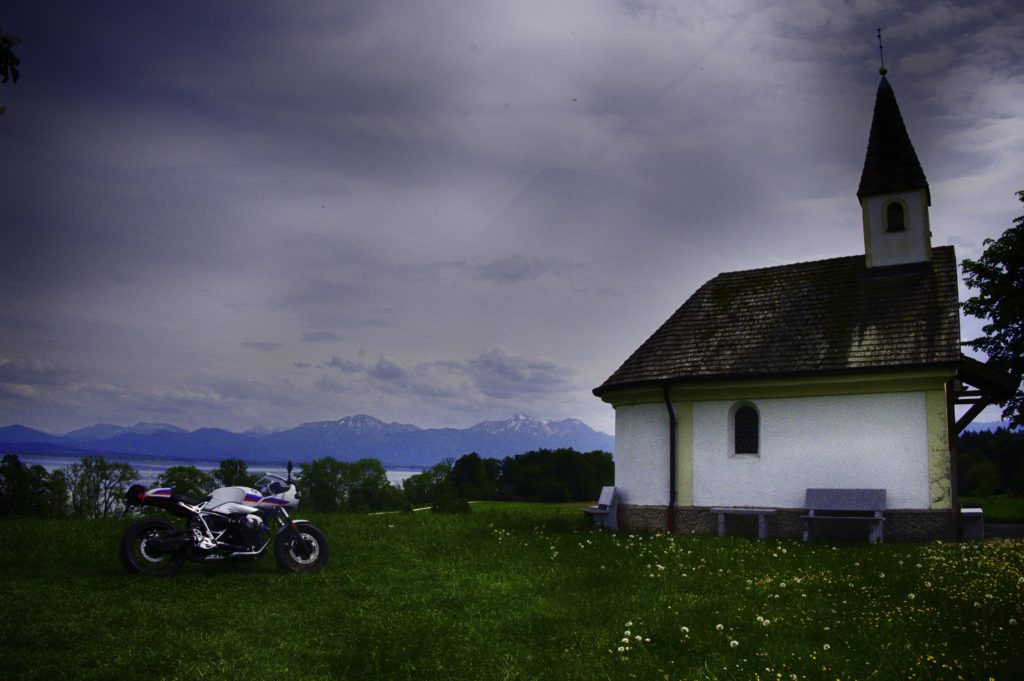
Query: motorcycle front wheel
140	556
307	552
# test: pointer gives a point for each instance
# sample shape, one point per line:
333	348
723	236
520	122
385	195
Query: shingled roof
891	164
825	316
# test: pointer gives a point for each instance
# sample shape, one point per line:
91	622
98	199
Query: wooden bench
845	505
762	524
605	514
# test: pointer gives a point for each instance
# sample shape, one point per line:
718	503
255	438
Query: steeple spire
891	164
893	191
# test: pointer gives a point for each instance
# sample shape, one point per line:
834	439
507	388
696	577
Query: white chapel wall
875	441
641	454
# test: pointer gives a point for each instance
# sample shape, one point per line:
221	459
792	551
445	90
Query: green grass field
513	591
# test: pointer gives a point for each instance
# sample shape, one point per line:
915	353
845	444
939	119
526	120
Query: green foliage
431	484
990	463
233	472
998	276
330	485
97	486
473	479
559	475
541	475
369	489
187	480
515	592
30	490
446	503
319	483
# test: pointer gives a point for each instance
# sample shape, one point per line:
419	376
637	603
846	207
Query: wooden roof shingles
825	316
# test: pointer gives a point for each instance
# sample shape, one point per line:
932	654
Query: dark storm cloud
262	346
33	372
346	365
516	268
320	337
498	374
494	373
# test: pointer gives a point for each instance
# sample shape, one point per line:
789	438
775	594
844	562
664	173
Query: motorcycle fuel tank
233	500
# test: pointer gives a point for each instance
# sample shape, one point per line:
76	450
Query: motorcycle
230	523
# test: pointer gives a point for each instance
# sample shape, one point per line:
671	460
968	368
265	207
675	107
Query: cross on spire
881	54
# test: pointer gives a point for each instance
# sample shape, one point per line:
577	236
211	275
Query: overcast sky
265	213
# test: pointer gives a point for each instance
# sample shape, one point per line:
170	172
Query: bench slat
844	505
845	499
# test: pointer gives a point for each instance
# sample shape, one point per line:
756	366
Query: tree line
95	487
543	475
989	463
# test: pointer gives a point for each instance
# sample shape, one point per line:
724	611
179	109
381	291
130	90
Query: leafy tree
232	472
559	475
8	62
990	463
57	495
97	486
470	478
186	480
369	489
998	275
31	490
319	483
425	487
330	485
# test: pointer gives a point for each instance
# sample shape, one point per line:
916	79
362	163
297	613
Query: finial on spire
881	54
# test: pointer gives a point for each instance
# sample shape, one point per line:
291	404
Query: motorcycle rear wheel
140	557
310	556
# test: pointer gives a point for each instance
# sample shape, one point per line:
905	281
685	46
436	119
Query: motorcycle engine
246	532
252	536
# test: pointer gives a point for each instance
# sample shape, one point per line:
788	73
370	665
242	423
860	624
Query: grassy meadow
513	591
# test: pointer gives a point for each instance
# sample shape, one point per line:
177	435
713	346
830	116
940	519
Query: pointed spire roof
891	163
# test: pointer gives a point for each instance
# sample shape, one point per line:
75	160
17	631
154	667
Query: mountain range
396	445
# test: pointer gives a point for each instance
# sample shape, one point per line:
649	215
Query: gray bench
845	505
762	524
605	514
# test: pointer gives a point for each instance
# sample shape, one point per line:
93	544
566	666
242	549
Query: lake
149	469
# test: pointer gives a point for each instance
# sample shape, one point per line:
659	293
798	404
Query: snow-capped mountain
520	423
102	431
349	438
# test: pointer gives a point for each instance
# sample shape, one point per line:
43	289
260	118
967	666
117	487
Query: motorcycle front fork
299	543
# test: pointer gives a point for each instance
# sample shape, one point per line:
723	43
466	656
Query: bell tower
893	190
